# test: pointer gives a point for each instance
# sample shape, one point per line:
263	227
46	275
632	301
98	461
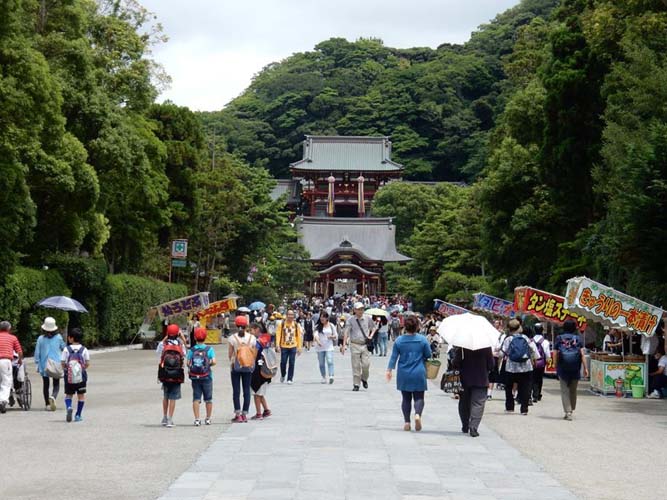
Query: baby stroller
21	391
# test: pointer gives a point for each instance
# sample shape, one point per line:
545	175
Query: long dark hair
320	326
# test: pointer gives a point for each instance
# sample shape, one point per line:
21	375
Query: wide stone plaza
324	442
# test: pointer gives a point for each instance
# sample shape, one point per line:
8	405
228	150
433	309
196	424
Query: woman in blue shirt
410	351
50	345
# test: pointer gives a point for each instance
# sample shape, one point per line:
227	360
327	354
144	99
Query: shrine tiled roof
372	238
353	154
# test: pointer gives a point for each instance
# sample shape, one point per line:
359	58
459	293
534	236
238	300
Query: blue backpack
200	365
569	353
519	351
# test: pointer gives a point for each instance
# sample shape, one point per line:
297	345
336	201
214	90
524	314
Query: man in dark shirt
474	367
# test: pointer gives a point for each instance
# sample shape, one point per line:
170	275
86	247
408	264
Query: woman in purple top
410	351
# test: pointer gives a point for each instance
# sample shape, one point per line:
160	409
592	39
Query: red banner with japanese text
545	306
219	307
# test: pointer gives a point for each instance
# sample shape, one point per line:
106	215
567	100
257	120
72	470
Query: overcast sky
216	46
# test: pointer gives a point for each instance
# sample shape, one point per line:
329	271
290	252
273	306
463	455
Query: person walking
9	345
569	355
242	357
544	350
518	352
289	340
48	351
474	368
382	327
410	352
358	330
325	337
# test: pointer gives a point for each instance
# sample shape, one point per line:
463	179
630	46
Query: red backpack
171	363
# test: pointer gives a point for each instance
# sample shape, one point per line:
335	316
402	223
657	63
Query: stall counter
606	369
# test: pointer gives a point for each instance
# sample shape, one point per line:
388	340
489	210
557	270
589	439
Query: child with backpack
200	359
172	352
242	355
76	361
266	367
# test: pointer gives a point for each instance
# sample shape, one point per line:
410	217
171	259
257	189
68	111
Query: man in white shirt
543	347
659	377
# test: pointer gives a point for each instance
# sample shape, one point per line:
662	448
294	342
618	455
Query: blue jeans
382	343
241	379
287	353
327	356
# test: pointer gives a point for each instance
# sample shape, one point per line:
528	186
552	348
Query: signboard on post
493	305
178	263
179	249
183	306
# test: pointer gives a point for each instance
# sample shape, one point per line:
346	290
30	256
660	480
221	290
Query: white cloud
216	47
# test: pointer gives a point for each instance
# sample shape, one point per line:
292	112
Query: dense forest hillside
439	105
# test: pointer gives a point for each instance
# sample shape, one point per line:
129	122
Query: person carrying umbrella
48	351
474	368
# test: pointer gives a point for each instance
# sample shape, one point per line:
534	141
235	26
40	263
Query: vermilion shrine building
331	192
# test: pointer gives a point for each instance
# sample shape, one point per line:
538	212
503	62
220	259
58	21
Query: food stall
213	335
548	308
615	309
185	306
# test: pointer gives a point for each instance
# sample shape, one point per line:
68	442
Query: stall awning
545	306
610	307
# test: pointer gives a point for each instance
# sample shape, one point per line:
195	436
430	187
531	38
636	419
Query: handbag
369	341
53	369
451	382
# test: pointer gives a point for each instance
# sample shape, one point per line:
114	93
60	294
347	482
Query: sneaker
489	397
257	416
78	418
52	403
47	408
289	382
530	402
68	417
282	380
237	419
365	384
197	422
3	407
355	388
418	423
654	395
207	421
509	411
244	419
170	423
568	416
474	433
406	426
267	413
324	381
331	380
524	413
165	421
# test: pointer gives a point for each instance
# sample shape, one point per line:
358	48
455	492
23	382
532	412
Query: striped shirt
8	345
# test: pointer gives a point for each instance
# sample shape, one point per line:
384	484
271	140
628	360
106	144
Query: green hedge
86	277
126	300
23	289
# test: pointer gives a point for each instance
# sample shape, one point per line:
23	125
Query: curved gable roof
374	238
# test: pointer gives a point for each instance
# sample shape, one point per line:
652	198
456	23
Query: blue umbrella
256	306
62	303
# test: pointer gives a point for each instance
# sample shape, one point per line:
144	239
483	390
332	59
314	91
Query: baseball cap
358	305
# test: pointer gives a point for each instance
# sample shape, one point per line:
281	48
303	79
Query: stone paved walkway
325	442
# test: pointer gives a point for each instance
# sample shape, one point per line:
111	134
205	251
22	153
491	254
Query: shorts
171	390
75	388
203	387
261	390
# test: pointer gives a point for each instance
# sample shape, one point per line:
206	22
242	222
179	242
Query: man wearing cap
358	328
50	345
9	345
289	340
